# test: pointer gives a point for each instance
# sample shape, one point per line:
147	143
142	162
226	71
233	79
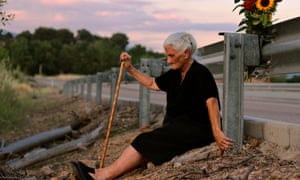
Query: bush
13	105
13	108
280	78
295	78
285	78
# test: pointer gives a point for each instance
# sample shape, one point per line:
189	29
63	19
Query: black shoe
82	171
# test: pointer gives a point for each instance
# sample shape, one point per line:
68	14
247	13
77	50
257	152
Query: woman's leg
129	159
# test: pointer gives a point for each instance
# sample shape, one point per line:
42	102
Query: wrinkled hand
126	58
99	174
223	142
93	176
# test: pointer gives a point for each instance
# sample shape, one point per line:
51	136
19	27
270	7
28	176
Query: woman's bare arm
222	141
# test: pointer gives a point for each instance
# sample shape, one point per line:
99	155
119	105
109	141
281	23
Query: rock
150	165
47	171
177	164
282	153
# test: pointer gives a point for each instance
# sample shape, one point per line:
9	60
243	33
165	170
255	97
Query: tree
25	34
20	55
44	57
120	40
67	58
137	52
96	57
5	38
58	51
108	56
84	35
65	36
44	34
5	18
3	53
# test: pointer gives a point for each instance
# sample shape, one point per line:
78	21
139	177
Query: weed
13	105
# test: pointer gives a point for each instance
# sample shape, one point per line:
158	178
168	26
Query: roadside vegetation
17	92
15	95
14	100
285	78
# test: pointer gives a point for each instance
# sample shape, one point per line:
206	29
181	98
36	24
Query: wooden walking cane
112	115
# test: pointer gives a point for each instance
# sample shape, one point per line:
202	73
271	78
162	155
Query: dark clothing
186	124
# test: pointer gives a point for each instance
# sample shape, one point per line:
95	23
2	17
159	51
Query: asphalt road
273	108
282	106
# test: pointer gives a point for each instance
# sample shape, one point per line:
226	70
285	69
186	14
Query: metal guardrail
281	55
279	91
283	87
80	87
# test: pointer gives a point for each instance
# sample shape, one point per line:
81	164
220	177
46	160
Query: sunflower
265	5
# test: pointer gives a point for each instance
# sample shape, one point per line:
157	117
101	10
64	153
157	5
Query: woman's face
175	59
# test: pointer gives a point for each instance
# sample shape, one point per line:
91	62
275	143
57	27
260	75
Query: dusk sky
146	22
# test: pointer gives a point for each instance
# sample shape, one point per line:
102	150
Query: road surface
283	106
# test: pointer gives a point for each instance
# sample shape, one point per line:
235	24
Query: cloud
110	13
59	18
171	16
20	14
111	16
104	13
59	2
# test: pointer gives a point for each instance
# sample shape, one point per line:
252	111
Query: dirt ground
257	160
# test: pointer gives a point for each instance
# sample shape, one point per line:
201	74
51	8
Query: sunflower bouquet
258	15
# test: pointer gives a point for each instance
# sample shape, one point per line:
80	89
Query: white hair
181	41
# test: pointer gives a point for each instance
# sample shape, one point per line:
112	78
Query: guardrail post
66	88
114	78
240	50
77	85
89	88
144	113
99	80
72	88
82	81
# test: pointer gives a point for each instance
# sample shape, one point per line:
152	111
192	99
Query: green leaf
255	16
241	29
269	24
237	6
264	19
256	22
244	21
242	11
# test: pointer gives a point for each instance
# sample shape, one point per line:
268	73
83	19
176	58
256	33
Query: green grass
18	98
13	106
42	105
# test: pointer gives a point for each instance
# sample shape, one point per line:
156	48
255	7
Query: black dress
186	124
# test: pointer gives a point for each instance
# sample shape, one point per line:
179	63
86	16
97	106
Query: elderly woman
192	117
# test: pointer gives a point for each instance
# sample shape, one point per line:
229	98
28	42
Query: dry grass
65	76
13	98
